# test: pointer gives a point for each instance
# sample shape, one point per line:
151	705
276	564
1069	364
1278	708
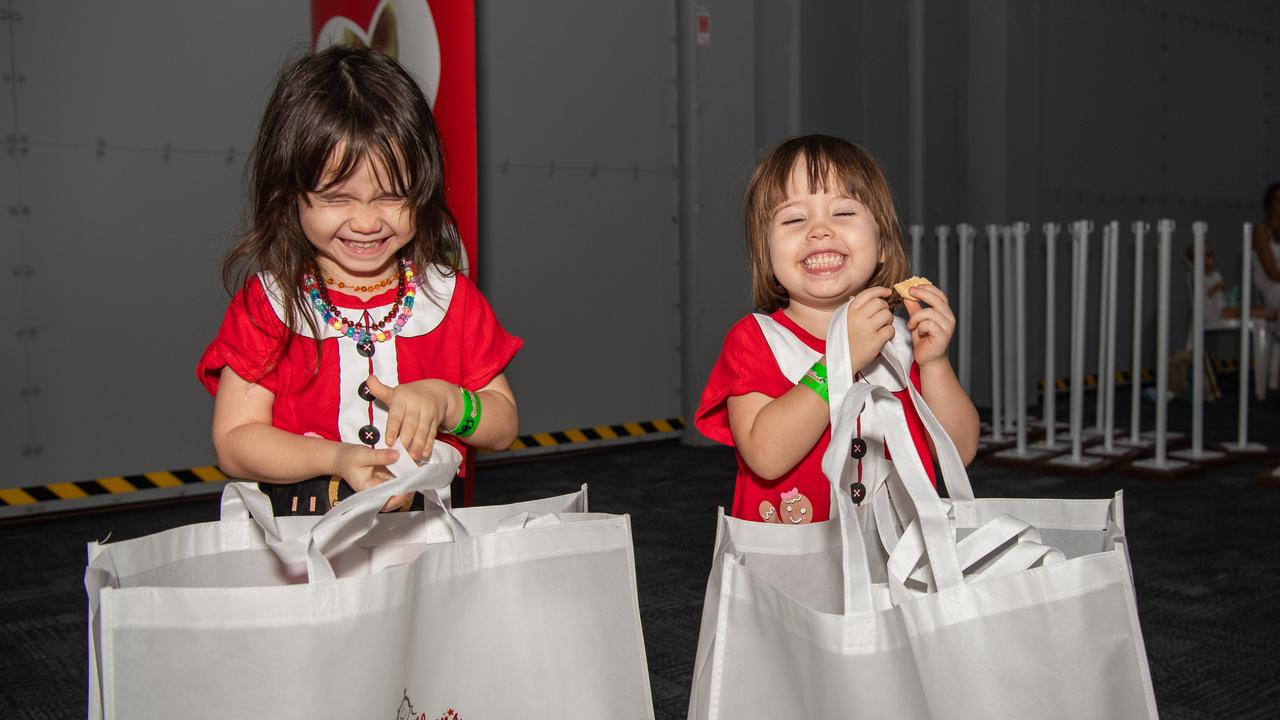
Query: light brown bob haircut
857	175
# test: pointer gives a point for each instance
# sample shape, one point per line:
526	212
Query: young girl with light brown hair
821	231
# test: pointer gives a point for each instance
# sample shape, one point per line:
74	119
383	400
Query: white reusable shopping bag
837	649
524	610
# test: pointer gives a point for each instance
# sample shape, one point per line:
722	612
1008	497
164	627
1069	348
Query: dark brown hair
825	158
330	112
1269	197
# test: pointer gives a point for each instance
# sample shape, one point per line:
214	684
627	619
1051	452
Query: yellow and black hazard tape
584	438
1063	384
110	490
121	489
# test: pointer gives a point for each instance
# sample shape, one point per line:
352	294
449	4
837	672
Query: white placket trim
430	305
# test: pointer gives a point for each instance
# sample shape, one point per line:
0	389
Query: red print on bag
406	711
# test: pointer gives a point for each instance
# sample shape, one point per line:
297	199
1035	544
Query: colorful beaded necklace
406	289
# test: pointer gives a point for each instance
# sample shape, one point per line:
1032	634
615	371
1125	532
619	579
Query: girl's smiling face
357	225
823	245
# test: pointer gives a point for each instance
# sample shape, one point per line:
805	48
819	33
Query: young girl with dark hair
351	326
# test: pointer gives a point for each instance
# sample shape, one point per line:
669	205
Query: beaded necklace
386	282
406	289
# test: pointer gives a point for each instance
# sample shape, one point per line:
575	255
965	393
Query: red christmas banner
435	40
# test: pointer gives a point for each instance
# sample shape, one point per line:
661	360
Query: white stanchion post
1010	342
943	281
1165	228
965	232
1162	463
997	379
1100	406
1021	453
917	237
1077	459
1050	402
1019	335
1109	377
1198	229
1242	444
1079	296
1197	451
1140	229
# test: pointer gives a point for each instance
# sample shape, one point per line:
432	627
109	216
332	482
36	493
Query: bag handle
1012	544
234	506
349	521
856	566
794	358
847	399
954	475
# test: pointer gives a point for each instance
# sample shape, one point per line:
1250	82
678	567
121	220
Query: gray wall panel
126	242
584	270
146	73
722	136
14	351
116	352
578	196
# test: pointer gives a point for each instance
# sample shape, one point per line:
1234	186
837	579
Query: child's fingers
933	329
928	315
430	443
869	294
395	419
421	436
931	295
882	318
409	429
379	458
913	306
379	390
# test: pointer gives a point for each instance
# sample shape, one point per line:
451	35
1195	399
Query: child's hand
415	411
870	326
363	468
931	327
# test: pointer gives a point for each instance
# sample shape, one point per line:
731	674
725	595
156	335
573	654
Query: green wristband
815	378
470	419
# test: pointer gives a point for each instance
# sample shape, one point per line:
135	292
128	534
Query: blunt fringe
824	159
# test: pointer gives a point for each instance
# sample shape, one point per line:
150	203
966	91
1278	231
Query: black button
858	448
365	347
364	393
858	492
369	435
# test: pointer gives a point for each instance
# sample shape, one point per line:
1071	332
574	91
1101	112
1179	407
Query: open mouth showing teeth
823	261
363	246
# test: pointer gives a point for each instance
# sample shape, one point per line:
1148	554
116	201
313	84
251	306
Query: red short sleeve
247	342
489	348
746	365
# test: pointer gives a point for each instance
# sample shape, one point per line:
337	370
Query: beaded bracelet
470	419
815	378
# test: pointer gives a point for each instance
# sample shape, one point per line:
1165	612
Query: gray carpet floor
1205	550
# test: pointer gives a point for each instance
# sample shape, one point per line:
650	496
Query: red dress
746	365
452	335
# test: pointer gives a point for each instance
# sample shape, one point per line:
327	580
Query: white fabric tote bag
524	610
778	638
